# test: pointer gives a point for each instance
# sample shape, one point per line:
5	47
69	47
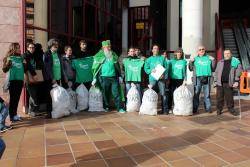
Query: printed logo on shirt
17	65
203	63
132	68
56	62
178	66
84	66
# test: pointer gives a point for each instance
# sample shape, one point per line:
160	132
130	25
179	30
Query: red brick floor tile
34	162
135	149
58	149
59	159
230	157
211	147
210	160
8	162
94	163
148	159
184	162
171	155
121	162
245	151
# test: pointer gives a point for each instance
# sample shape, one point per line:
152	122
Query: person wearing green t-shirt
133	70
177	73
13	63
83	69
202	66
53	71
106	70
149	67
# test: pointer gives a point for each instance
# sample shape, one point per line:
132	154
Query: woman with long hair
13	63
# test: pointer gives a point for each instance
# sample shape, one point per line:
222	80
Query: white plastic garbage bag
95	99
60	102
82	95
73	100
133	99
149	102
183	101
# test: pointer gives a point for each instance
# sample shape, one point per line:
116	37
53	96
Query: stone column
192	28
172	24
41	20
124	30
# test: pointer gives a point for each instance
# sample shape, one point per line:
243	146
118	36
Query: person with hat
106	71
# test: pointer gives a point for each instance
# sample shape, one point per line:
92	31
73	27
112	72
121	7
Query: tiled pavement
117	140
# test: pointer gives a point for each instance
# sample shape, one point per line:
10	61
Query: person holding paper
156	66
177	71
202	66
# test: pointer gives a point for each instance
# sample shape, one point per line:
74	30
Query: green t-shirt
83	66
133	68
56	67
152	62
178	68
108	68
203	66
17	70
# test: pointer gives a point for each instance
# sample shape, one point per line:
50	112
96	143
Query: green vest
203	66
133	68
16	71
178	68
56	67
83	66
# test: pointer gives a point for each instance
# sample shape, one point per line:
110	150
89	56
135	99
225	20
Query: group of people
106	71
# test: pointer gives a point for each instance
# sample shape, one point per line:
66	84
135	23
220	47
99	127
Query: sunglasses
201	49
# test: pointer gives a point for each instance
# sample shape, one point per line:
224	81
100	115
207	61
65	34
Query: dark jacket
192	68
234	74
67	68
48	66
28	66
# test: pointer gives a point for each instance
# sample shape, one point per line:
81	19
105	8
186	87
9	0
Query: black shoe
234	113
195	112
5	128
48	116
219	112
209	111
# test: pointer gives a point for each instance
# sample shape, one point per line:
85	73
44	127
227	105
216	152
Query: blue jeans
161	84
3	115
138	87
2	147
206	91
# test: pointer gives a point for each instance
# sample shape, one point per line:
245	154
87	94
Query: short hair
156	45
67	47
131	47
29	43
82	41
52	42
228	49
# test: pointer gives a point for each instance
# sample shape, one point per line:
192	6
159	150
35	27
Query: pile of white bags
60	102
133	99
149	102
183	101
95	99
82	97
73	100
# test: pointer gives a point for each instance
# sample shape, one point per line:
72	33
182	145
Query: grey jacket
234	74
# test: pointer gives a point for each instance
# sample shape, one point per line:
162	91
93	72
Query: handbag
6	83
39	75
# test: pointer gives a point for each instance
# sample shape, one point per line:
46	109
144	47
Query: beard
108	54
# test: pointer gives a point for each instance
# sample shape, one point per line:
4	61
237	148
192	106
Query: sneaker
16	118
219	112
209	111
32	114
234	113
5	128
121	111
106	109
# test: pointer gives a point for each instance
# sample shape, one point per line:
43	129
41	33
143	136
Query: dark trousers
34	97
2	147
48	100
86	84
111	84
174	84
224	92
15	91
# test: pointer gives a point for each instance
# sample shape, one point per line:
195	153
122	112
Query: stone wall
10	29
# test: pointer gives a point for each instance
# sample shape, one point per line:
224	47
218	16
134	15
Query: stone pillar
41	20
124	30
172	24
192	28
